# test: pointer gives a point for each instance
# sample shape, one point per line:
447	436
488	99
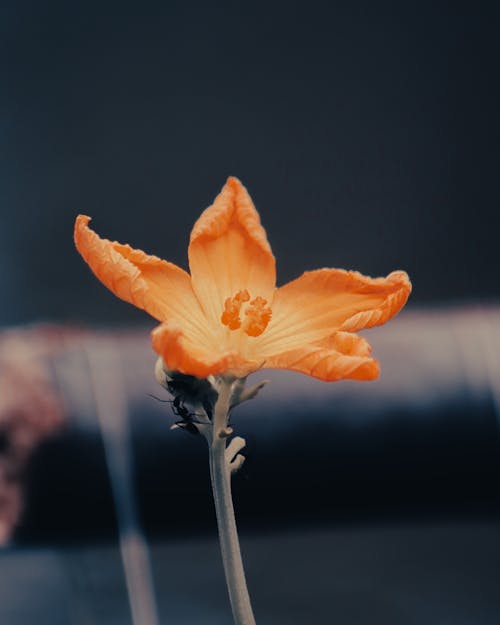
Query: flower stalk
224	460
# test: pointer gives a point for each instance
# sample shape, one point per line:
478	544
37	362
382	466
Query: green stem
220	473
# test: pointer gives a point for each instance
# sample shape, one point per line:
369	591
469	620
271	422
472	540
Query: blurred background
368	136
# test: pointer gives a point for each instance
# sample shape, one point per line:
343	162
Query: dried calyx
195	399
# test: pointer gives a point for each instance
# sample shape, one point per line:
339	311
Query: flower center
257	313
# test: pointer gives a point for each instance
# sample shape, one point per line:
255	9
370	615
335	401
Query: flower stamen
232	306
257	313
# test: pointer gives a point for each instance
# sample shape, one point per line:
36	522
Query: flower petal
229	251
320	302
157	286
181	353
342	356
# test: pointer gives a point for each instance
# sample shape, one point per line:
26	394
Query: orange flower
228	317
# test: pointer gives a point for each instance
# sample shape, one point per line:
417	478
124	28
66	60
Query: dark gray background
367	134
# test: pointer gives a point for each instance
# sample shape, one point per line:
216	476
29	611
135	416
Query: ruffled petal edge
160	288
343	356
